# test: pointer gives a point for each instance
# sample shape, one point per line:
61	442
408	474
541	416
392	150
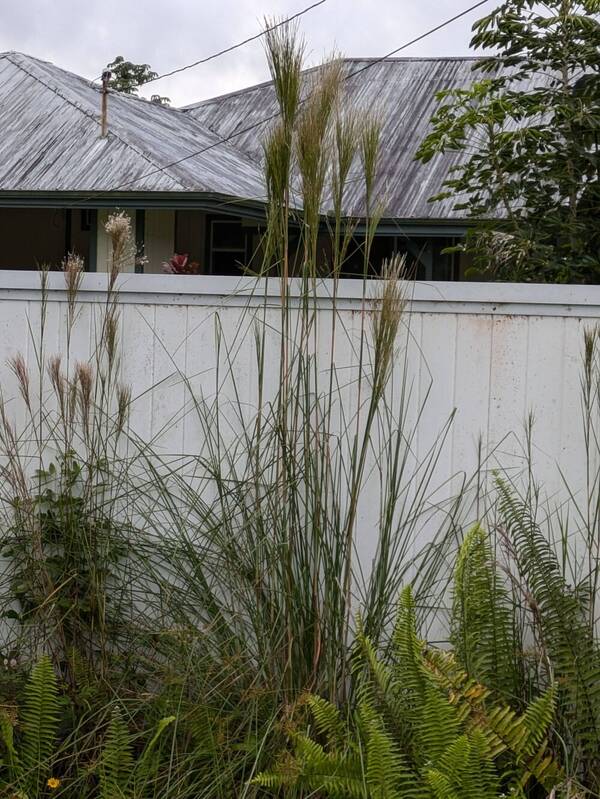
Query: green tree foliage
529	128
127	77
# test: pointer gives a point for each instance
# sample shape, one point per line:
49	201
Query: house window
425	256
228	244
85	219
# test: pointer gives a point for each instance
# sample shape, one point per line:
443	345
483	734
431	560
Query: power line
226	50
422	36
236	46
270	118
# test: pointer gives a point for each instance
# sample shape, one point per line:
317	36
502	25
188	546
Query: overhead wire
263	121
226	50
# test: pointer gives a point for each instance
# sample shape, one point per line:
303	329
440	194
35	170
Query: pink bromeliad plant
180	264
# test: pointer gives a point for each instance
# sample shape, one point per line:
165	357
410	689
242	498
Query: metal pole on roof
106	75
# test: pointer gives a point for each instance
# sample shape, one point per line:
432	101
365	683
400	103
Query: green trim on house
414	227
211	203
167	200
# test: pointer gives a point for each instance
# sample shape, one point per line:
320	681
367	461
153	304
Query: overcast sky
84	36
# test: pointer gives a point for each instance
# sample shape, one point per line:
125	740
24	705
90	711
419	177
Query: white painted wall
159	239
492	351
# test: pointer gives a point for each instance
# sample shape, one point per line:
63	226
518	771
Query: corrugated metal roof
50	135
50	140
403	92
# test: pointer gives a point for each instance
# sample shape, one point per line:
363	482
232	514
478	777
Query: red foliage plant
180	265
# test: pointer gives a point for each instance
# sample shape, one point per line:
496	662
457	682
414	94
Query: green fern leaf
328	721
39	725
407	651
116	766
438	728
503	729
562	626
482	631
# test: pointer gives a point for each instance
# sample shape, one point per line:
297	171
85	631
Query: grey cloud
83	37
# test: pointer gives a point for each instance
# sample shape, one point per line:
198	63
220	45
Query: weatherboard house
191	178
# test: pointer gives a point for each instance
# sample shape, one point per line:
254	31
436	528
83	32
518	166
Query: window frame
242	252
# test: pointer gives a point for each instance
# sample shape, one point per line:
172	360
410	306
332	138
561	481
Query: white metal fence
492	351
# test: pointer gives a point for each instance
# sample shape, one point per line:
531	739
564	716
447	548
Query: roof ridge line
415	58
243	90
92	116
349	59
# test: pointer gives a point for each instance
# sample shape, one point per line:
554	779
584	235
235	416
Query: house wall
163	232
159	239
190	236
82	240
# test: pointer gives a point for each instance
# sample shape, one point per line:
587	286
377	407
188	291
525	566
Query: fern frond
116	764
504	730
328	721
440	786
537	719
482	630
407	651
396	689
39	725
439	726
481	778
375	683
562	626
446	781
311	769
453	761
385	768
465	770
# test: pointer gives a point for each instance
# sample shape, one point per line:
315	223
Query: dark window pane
227	263
443	262
228	235
382	249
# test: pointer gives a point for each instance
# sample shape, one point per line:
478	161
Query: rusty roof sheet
402	91
50	140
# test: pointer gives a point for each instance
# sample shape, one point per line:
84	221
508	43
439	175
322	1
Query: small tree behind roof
531	184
